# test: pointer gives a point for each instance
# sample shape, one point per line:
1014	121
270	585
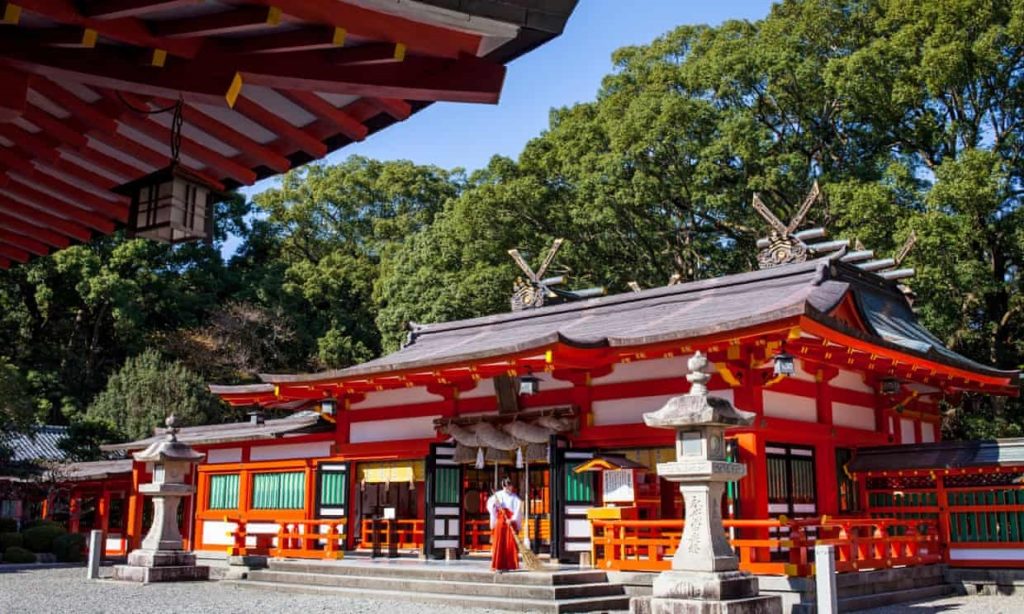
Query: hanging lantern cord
176	122
176	125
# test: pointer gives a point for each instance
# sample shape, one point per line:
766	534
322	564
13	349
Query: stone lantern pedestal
161	557
705	575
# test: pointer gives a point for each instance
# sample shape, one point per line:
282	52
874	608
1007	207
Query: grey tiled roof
97	470
42	444
673	313
940	455
237	431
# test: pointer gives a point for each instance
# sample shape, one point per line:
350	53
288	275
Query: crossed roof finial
784	246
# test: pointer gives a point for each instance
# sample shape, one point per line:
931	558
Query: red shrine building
829	357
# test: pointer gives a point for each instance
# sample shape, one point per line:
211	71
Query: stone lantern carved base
719	592
149	567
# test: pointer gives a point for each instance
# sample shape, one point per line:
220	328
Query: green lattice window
333	485
224	491
579	487
279	491
446	485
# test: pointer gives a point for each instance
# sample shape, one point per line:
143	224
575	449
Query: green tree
325	230
17	412
146	390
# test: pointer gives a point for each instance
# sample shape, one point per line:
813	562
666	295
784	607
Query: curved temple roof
807	292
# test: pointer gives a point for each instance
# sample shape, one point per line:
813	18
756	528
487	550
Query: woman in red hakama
505	508
504	553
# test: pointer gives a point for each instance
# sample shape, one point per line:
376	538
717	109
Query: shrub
40	522
8	525
14	554
40	538
10	539
68	547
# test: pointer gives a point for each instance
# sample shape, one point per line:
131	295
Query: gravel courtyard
59	591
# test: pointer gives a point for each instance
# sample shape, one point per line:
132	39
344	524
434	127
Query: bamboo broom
530	559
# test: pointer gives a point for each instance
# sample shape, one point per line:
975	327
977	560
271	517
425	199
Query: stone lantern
161	557
705	574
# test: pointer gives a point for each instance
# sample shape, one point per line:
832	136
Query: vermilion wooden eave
59	156
849	352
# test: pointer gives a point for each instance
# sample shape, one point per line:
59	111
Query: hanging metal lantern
328	407
529	384
891	385
784	364
171	205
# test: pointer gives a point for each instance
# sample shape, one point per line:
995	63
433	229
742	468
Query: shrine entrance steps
857	591
439	584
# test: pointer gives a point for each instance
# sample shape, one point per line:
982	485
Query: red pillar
74	512
133	533
825	451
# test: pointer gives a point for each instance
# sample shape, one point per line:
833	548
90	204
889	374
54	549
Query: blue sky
565	71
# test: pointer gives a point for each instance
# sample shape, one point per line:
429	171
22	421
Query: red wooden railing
323	539
312	539
408	532
979	525
476	535
861	544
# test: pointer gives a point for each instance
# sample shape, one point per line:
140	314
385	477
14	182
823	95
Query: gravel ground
975	604
56	591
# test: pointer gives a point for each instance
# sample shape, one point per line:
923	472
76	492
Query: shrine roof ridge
223	433
940	455
96	470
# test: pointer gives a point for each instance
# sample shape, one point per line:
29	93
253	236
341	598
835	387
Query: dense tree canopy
909	115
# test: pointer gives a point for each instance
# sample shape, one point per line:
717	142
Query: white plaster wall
224	455
853	416
397	396
928	432
484	388
907	431
311	449
218	533
801	374
548	382
851	380
393	430
789	406
986	554
631	411
658	368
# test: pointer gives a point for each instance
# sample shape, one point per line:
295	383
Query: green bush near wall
69	548
14	554
11	539
40	538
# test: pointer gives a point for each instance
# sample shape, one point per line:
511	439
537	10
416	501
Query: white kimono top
509	501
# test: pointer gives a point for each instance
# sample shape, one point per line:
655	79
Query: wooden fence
860	543
980	514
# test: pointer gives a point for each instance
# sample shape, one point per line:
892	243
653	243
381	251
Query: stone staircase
874	589
443	584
